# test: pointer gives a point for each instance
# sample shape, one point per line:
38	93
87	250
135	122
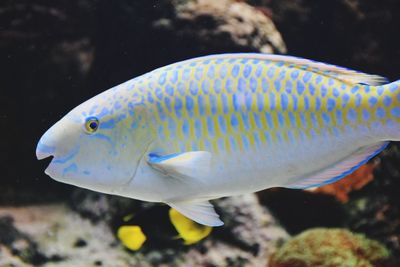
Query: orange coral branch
355	181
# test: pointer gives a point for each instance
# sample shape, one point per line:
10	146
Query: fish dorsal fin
201	212
341	73
182	165
340	169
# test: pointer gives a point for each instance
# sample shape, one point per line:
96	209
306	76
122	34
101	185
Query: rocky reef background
55	54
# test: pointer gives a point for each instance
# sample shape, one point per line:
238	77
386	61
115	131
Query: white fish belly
280	164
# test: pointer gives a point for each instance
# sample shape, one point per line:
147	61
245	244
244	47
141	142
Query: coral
323	247
353	182
375	210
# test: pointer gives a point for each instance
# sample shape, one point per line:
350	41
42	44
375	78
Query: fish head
99	144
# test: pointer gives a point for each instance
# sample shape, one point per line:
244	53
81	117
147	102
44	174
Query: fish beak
43	150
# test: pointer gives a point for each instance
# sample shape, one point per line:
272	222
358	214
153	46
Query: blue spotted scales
223	125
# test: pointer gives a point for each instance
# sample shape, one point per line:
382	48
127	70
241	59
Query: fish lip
47	170
40	155
44	151
53	171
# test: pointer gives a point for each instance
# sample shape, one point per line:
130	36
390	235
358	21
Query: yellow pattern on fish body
238	104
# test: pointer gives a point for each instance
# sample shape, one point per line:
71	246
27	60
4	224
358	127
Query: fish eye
91	125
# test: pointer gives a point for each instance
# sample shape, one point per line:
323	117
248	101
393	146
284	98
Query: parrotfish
224	125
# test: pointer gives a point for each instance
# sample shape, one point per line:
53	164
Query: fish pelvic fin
202	212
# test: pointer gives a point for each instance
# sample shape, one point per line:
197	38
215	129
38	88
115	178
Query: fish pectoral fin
201	212
194	164
340	169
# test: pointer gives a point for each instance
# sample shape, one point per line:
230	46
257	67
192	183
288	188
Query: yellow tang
131	237
190	231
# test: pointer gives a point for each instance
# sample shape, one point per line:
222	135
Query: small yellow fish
190	231
131	237
171	228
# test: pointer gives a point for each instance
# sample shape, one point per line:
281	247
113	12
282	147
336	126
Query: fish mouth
40	155
46	160
45	153
51	169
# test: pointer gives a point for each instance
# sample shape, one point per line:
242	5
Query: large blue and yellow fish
223	125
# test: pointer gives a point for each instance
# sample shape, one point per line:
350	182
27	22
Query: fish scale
284	101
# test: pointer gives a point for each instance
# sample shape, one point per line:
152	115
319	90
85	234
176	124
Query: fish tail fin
387	112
